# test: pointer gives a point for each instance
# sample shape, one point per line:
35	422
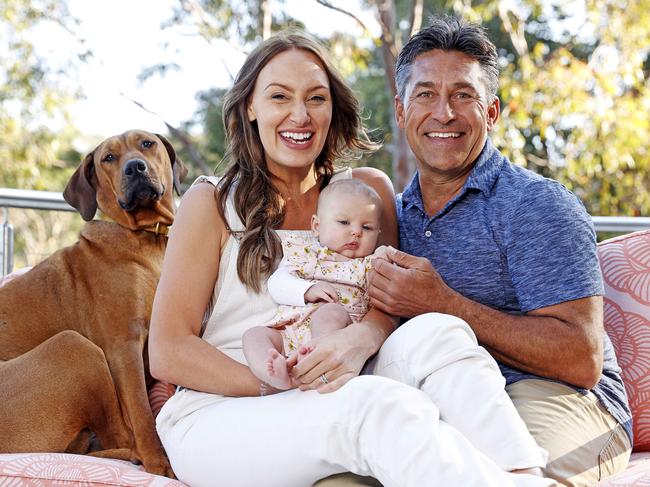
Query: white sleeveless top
233	309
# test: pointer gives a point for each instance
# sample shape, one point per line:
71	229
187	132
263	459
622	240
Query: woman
288	117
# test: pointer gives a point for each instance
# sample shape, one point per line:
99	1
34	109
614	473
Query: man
511	253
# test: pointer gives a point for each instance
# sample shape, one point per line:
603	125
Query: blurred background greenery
575	93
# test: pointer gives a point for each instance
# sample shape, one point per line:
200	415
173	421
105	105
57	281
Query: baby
320	283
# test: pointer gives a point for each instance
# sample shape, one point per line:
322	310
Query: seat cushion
637	473
625	263
46	469
159	393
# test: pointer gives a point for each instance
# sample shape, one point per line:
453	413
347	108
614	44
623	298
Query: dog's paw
160	466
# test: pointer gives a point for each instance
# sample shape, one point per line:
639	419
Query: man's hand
321	291
404	285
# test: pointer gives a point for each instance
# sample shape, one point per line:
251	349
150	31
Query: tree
397	20
574	88
33	98
575	97
243	24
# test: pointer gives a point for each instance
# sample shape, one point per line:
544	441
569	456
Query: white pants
372	426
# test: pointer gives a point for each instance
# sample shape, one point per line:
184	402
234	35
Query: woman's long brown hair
257	202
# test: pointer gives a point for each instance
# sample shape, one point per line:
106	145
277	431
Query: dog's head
130	178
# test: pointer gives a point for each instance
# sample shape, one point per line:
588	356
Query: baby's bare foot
276	366
304	351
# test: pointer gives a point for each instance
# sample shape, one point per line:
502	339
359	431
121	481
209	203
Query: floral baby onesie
306	262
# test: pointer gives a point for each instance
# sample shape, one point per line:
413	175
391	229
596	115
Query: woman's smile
297	139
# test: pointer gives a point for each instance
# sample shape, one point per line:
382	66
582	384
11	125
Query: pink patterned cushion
637	473
49	469
158	395
625	263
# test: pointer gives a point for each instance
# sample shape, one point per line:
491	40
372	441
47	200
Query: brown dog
73	329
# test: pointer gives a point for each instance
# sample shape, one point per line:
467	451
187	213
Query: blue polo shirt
515	241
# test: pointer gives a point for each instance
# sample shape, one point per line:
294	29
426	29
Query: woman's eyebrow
288	88
275	84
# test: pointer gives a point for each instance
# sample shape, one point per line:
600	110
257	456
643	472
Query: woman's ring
324	379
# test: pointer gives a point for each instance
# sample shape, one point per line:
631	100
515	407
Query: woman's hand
333	360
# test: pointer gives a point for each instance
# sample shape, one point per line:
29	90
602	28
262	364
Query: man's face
446	113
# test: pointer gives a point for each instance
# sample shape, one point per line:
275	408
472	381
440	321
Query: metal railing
53	201
621	224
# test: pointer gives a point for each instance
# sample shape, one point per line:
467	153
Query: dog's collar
156	228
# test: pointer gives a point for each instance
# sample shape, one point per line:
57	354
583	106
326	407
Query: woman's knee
373	389
382	403
433	329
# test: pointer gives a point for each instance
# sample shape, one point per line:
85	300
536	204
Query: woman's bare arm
190	268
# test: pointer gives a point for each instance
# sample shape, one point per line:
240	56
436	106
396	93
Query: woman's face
292	105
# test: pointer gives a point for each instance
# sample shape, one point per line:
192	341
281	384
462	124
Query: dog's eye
147	144
108	158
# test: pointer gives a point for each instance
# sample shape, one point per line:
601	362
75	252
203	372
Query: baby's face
348	224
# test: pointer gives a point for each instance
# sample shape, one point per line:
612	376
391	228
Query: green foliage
577	110
574	89
208	134
33	100
370	85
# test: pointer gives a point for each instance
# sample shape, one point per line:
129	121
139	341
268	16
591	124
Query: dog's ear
178	168
80	192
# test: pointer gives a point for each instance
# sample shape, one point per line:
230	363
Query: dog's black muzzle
138	187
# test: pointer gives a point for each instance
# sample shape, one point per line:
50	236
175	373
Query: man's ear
315	223
493	112
399	111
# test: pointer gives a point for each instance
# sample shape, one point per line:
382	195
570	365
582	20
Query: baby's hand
384	252
321	291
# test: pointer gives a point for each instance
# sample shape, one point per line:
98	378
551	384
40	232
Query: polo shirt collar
482	177
486	170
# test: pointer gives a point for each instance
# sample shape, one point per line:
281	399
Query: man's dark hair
449	34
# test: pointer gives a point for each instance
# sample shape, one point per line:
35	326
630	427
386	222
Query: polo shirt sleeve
551	247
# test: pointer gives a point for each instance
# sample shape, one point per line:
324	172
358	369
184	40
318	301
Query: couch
625	263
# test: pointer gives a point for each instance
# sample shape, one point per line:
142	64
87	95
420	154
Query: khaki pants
585	443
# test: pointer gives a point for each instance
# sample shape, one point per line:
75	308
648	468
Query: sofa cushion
637	473
159	393
45	469
625	263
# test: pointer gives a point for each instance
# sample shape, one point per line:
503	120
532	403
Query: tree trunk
403	160
266	18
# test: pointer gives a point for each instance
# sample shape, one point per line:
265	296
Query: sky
125	36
